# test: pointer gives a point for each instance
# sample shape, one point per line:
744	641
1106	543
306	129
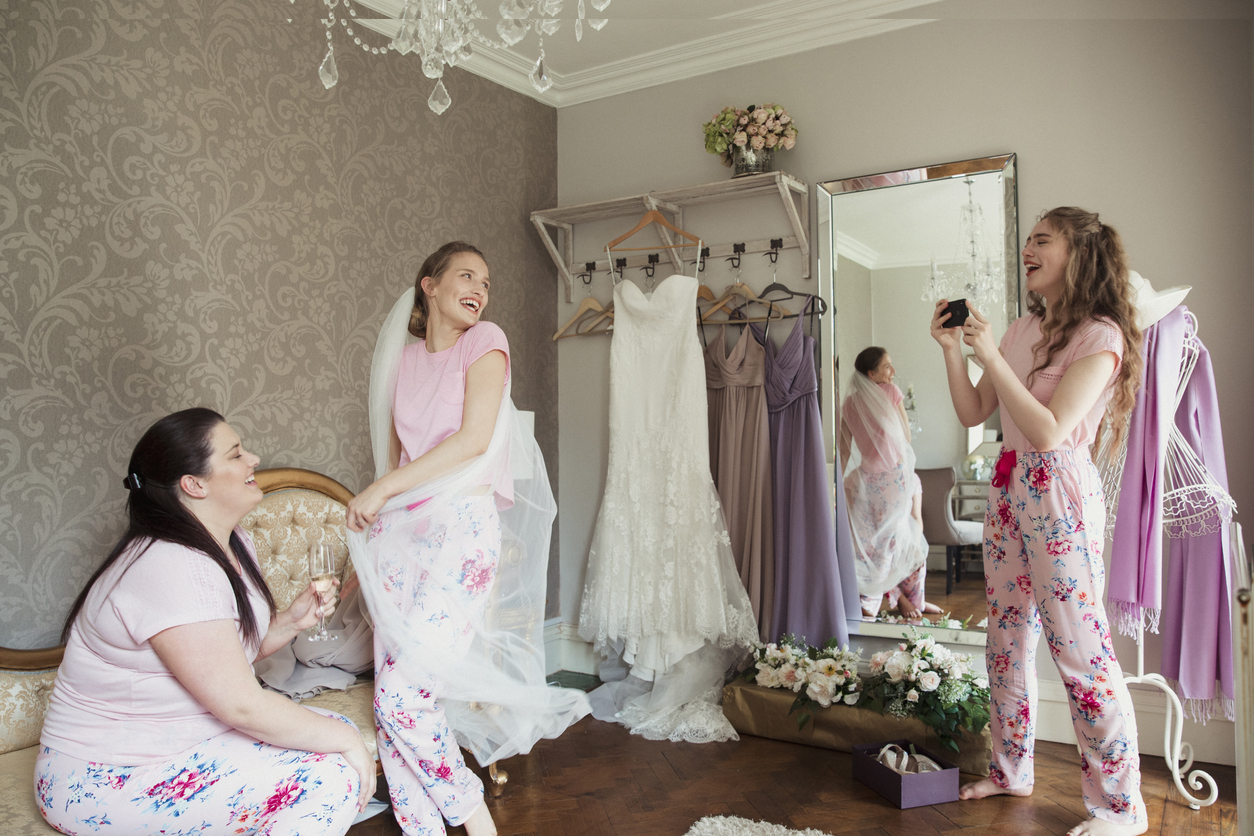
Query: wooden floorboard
599	780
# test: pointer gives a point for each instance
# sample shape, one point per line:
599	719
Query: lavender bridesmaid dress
812	587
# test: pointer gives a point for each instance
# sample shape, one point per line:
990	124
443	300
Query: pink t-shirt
873	444
115	702
431	393
1092	337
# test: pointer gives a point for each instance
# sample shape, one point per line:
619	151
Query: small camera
957	309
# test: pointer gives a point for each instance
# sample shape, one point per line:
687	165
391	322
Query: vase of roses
748	139
923	679
819	676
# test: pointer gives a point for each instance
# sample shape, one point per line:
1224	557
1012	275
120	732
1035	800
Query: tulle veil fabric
879	489
491	685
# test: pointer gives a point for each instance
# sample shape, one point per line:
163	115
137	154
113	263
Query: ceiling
650	42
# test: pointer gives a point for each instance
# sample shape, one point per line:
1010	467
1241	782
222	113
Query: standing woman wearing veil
451	556
883	492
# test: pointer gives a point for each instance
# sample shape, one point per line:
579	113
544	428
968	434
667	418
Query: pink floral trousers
450	571
1043	537
231	783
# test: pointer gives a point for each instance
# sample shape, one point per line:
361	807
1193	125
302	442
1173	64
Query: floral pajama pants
911	589
1043	537
231	783
451	573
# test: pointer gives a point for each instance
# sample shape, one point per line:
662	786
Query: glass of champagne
321	572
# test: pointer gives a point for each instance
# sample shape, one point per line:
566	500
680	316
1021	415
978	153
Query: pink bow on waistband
1005	464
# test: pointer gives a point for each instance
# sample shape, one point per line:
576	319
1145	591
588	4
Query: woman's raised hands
949	338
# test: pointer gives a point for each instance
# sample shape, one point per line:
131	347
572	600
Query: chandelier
444	34
978	273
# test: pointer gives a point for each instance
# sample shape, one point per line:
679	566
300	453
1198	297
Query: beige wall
1146	121
188	217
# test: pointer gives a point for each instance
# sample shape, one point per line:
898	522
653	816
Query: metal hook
705	252
648	269
777	244
619	265
737	249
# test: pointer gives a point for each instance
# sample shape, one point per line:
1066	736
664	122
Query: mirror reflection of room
903	240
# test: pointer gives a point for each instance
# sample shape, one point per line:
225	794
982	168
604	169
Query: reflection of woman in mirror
1057	370
883	493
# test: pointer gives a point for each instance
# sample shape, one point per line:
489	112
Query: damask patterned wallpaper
188	217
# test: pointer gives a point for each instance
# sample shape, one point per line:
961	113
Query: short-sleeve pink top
431	394
115	702
1092	337
876	451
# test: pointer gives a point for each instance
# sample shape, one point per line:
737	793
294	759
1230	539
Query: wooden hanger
589	328
655	217
743	291
704	292
589	303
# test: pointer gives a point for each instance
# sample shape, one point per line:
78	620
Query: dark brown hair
1095	286
178	445
868	359
434	266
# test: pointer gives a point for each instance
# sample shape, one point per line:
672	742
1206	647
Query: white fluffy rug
732	826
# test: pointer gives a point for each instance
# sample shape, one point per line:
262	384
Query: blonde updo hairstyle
435	266
1095	286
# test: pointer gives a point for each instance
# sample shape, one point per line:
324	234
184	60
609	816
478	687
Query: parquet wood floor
599	780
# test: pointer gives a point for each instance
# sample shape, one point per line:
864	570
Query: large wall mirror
891	244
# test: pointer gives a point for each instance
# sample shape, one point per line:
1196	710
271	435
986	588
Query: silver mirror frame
1005	164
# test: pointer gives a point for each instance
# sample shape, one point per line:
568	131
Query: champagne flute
321	572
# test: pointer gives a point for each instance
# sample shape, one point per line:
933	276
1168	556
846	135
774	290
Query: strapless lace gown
662	586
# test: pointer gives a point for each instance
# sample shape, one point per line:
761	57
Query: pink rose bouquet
757	126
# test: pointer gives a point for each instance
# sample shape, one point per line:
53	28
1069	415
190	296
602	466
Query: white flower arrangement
923	679
825	675
757	126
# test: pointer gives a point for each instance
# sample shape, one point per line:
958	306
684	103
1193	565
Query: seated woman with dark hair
156	723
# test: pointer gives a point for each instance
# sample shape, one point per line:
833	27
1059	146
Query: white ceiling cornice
778	28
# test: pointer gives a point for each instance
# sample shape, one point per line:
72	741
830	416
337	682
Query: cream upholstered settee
300	506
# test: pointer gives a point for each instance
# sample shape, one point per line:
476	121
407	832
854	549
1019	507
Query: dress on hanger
810	584
740	462
662	588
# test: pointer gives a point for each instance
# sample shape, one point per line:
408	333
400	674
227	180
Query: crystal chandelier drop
978	274
444	34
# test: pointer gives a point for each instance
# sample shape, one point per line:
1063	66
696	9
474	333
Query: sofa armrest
26	679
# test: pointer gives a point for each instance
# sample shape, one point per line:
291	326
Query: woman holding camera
1064	374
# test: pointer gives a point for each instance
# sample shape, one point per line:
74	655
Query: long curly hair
1095	286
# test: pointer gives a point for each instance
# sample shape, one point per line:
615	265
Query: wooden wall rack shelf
794	193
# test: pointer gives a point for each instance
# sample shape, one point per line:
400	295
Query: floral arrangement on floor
927	680
756	127
920	679
943	620
820	676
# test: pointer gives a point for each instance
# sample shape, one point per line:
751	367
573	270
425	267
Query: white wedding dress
662	590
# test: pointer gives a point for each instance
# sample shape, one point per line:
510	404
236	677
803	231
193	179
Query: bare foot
1101	827
985	787
928	606
480	823
868	614
908	610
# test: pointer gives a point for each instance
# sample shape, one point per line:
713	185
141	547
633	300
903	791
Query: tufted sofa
300	506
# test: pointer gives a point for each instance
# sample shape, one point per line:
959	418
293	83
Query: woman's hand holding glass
322	581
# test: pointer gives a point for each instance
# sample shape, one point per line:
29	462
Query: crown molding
854	250
778	28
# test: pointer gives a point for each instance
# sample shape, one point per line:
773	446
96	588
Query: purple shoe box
905	790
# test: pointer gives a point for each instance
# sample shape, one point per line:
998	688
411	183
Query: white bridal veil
492	685
879	490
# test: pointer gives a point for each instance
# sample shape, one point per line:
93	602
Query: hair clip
132	482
